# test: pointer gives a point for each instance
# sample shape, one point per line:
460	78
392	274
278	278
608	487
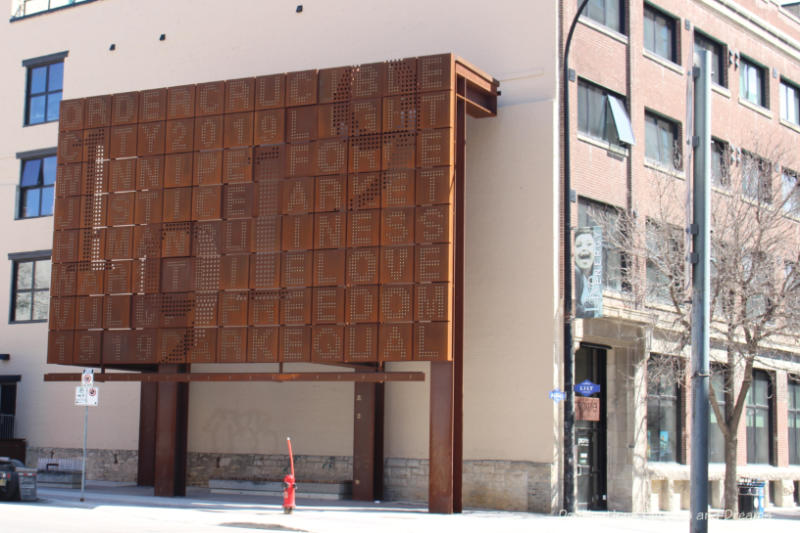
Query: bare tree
755	273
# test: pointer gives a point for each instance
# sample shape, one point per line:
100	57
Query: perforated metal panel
63	279
262	345
124	108
327	344
177	310
89	312
232	347
396	342
293	217
59	347
361	343
233	308
174	345
87	349
204	347
178	170
68	180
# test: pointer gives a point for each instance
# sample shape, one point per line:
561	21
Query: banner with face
588	254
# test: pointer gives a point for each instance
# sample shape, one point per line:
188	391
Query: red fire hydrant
289	485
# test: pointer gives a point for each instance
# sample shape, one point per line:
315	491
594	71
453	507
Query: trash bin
27	484
751	498
761	496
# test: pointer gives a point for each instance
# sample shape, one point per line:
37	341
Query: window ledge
666	63
722	189
791	216
757	108
33	217
719	89
605	30
652	302
26	125
756	202
655	165
790	125
15	322
612	149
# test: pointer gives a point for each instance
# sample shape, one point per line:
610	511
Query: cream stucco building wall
511	303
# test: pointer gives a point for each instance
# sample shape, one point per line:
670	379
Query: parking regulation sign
86	396
87	377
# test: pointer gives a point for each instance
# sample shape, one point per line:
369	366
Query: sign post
86	394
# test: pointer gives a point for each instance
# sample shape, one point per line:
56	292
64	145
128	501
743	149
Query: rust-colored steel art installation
300	217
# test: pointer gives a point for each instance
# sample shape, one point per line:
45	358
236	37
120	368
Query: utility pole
701	246
569	362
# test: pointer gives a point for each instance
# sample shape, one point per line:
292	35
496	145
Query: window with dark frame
720	163
716	439
602	115
607	12
663	408
758	419
718	57
44	89
662	143
30	298
794	420
790	102
753	83
660	34
615	260
36	186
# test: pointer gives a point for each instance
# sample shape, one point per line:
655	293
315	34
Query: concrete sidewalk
119	508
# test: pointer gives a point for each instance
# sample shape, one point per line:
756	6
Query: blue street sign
557	395
587	388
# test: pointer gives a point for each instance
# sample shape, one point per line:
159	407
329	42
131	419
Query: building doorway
8	406
590	429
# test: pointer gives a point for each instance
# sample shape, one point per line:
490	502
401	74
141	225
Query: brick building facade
641	54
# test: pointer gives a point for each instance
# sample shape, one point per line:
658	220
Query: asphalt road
120	510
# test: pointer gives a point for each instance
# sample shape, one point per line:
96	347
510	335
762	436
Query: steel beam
170	438
458	289
368	442
440	483
186	377
147	434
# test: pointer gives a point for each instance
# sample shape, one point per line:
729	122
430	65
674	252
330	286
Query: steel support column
368	442
440	486
147	434
170	439
458	290
446	399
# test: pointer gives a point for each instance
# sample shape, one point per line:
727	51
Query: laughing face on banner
588	272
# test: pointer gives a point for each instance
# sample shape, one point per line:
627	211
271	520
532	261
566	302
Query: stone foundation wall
257	467
488	484
107	465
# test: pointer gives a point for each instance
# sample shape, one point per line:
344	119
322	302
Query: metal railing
24	8
6	427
